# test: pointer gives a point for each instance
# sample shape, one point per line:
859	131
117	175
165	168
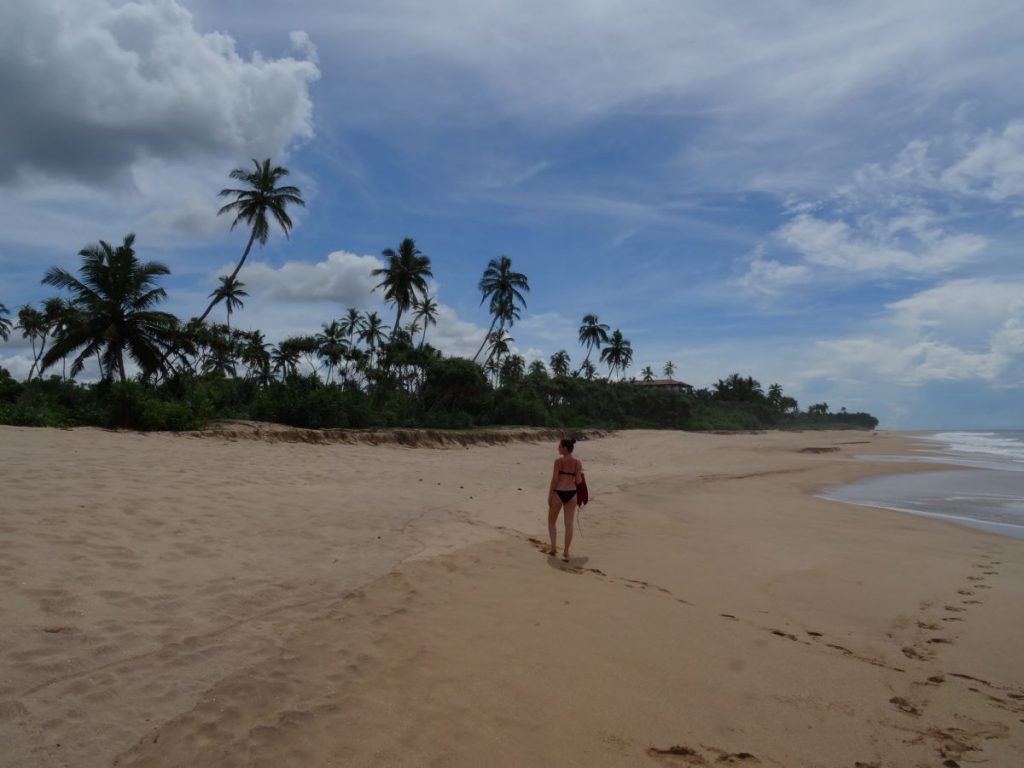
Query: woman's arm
579	472
554	478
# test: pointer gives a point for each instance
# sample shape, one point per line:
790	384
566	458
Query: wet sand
175	600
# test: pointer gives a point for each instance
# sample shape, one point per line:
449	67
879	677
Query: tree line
356	371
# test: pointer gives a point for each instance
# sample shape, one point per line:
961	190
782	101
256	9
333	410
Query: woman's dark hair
568	443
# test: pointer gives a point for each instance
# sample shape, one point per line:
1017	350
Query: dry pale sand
186	601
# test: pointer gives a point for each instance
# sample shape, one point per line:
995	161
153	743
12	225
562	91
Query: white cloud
770	276
98	85
993	167
962	330
342	278
912	244
18	365
896	220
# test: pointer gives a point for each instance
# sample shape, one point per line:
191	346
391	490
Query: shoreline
713	545
947	470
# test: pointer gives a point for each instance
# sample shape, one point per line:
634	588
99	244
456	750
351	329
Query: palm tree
775	396
537	370
230	291
426	314
492	368
286	356
512	369
593	334
618	354
405	277
371	333
505	289
256	204
588	370
61	314
34	326
738	388
5	324
560	363
116	295
331	346
256	357
647	374
669	369
351	323
500	345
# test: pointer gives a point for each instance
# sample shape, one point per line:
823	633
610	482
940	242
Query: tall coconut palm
505	289
426	314
372	334
500	345
5	323
286	356
592	334
560	363
230	291
60	315
669	369
256	204
34	326
647	374
351	323
405	277
116	295
256	356
512	369
618	354
331	346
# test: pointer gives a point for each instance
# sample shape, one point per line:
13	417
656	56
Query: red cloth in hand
582	494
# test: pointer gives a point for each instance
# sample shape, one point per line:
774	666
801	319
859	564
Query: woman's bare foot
565	557
553	551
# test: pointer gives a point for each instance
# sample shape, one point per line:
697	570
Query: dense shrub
452	394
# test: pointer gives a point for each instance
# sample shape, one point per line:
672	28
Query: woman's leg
554	507
570	517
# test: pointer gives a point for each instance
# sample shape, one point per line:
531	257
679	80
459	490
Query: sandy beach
215	601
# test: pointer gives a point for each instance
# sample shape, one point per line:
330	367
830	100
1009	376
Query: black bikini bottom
566	496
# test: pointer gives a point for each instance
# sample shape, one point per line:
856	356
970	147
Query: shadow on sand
575	564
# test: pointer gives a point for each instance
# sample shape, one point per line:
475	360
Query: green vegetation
357	372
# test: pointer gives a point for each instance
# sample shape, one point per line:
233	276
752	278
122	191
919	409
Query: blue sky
831	197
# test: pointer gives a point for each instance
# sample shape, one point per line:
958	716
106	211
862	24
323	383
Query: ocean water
989	495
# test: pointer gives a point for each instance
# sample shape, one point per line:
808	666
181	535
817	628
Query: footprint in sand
683	755
965	592
953	608
913	653
905	706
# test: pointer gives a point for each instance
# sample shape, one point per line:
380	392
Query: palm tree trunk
35	359
245	255
585	361
486	337
120	365
423	338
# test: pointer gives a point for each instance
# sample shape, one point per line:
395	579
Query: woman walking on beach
565	479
